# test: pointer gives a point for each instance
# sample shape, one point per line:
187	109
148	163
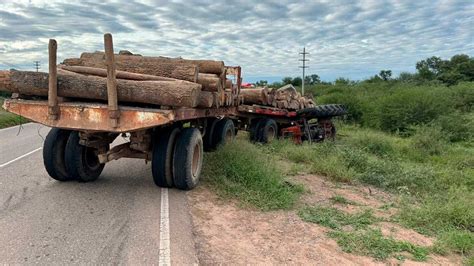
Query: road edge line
20	157
165	250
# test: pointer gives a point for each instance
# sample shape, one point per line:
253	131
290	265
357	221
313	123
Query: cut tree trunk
205	99
254	96
210	82
208	66
156	66
119	74
170	93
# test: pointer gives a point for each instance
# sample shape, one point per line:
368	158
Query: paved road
113	220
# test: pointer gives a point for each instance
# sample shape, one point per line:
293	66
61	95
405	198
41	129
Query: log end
5	81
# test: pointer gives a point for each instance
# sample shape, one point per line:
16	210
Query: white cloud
345	38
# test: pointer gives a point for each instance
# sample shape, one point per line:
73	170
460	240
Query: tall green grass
435	178
242	171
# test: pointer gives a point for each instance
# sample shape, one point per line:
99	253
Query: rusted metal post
112	98
53	108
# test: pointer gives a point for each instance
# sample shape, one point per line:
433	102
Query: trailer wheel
253	129
82	162
208	139
224	132
53	154
162	158
187	159
267	131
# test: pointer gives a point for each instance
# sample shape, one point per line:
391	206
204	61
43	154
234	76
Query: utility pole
304	66
37	65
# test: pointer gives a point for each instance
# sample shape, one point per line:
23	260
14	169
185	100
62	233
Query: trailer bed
88	116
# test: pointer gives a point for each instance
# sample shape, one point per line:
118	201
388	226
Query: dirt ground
228	234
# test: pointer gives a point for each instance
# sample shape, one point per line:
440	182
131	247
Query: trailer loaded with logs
170	110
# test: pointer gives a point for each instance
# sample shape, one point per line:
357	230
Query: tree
342	81
307	80
297	81
287	80
385	74
315	79
261	83
430	67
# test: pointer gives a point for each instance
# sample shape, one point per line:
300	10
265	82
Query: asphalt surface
114	220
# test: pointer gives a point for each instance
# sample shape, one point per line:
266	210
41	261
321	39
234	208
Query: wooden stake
53	109
112	98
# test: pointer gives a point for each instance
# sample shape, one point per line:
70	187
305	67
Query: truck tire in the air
162	157
323	111
82	162
53	154
223	132
187	159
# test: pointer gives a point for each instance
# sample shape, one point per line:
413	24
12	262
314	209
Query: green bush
457	126
415	106
429	139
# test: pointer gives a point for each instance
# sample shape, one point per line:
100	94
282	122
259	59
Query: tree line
450	72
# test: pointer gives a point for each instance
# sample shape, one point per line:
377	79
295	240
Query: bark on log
156	66
254	96
171	93
210	82
205	99
119	74
208	66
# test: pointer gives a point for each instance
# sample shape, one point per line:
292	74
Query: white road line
20	157
165	250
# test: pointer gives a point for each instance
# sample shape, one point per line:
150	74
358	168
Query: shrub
407	107
457	126
429	139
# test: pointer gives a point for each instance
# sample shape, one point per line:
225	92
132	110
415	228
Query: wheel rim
196	161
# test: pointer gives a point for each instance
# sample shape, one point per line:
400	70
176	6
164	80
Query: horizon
354	40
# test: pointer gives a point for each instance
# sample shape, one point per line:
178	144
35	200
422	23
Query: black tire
82	162
208	139
267	131
162	157
223	132
253	129
323	111
187	159
53	154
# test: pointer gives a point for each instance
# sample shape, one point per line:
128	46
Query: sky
344	38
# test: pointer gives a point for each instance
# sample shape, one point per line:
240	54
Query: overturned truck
171	110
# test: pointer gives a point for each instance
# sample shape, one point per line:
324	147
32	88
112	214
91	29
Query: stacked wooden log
141	79
285	97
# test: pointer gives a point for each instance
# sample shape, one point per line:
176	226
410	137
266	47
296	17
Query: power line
37	65
304	66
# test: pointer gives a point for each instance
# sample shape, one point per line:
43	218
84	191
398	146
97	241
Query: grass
242	171
372	243
434	176
8	119
336	219
342	200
